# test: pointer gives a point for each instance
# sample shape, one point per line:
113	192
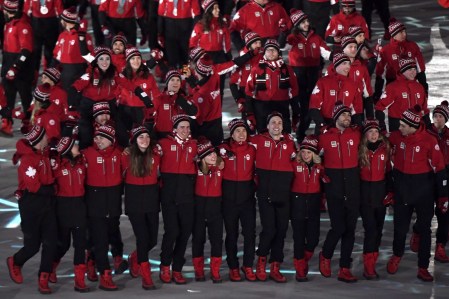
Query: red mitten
389	199
443	204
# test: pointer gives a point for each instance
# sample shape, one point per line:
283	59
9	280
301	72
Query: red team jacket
209	185
125	90
305	180
379	165
388	59
215	39
146	180
103	166
340	148
18	36
443	141
50	121
307	50
178	158
131	9
262	20
67	48
186	9
95	91
33	8
239	160
70	178
208	99
34	169
332	88
340	23
401	95
272	155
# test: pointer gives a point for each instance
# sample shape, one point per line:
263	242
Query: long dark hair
207	18
142	71
141	163
106	77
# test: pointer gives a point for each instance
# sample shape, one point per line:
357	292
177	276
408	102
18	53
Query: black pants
213	130
373	223
402	217
318	13
207	216
98	35
69	74
177	35
145	228
382	8
105	231
21	86
245	213
305	217
443	226
45	34
343	224
127	26
127	118
307	78
178	224
264	108
72	224
39	227
274	218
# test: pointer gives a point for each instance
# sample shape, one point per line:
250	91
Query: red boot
261	273
414	242
198	266
80	273
164	274
178	278
14	271
134	266
106	282
234	275
147	282
91	271
6	128
345	275
393	264
300	267
43	283
424	275
215	263
120	265
249	273
325	266
275	273
369	271
440	254
307	256
53	278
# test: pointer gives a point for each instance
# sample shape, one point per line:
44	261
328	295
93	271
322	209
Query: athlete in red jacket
419	170
274	152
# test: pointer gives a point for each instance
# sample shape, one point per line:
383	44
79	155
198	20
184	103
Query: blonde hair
316	159
36	107
363	150
204	168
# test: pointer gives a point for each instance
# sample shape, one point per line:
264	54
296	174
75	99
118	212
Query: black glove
186	105
143	96
378	87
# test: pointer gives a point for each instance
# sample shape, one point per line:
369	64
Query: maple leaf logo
31	172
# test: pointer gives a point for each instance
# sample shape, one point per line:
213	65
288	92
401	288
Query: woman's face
211	159
306	155
372	135
104	61
174	84
216	11
143	141
135	62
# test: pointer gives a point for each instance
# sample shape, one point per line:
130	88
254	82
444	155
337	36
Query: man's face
183	129
410	74
344	120
343	68
406	129
118	47
351	50
102	142
271	54
275	126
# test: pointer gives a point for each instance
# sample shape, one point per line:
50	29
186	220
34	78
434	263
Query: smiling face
135	62
143	141
118	47
216	11
343	68
343	121
306	155
372	135
239	134
275	127
102	142
410	74
174	84
271	53
104	61
183	129
211	159
351	50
